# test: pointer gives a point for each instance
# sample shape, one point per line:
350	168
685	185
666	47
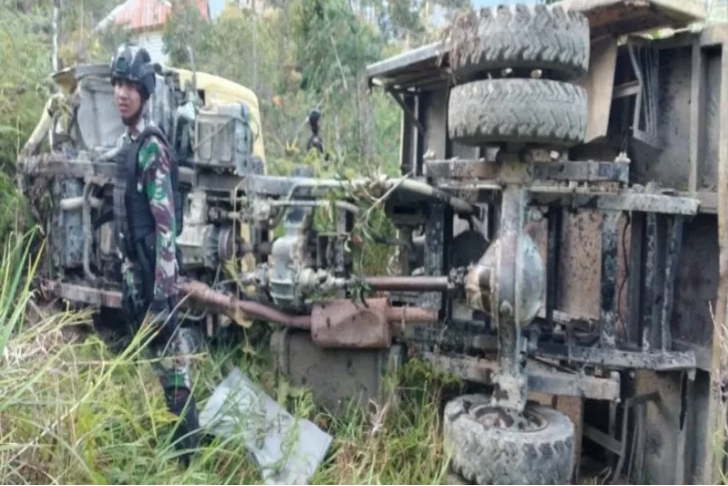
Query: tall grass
15	291
72	411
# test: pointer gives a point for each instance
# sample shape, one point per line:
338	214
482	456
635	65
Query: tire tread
517	110
521	35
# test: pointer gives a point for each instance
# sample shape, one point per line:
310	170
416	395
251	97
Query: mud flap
599	85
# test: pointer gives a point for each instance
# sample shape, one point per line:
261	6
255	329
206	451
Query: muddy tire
520	36
488	454
533	111
452	479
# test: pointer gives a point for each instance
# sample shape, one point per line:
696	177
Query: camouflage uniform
172	361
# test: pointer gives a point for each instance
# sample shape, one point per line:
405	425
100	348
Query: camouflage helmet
133	64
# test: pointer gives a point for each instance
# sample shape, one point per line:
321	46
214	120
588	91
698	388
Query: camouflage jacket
155	180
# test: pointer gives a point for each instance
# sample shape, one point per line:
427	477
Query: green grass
73	411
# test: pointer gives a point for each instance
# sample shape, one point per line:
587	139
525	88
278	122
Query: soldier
315	140
147	214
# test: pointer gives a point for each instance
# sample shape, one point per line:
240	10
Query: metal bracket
609	297
541	379
619	447
581	171
407	112
645	63
620	359
672	260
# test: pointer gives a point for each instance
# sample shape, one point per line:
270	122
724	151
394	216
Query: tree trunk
54	51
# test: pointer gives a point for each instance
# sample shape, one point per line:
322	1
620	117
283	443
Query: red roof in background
147	14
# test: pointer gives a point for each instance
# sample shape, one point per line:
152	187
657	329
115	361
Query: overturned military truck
564	204
601	159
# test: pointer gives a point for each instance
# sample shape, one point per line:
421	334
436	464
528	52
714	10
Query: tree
185	27
25	57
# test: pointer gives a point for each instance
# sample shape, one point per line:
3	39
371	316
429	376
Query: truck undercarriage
563	203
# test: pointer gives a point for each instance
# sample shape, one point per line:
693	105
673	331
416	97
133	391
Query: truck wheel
489	446
535	111
452	479
520	36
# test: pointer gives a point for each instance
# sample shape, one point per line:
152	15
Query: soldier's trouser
170	351
169	348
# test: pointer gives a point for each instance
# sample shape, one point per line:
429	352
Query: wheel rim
496	417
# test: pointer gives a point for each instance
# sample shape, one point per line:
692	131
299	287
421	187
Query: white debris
288	450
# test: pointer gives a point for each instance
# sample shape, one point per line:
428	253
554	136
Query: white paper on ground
287	450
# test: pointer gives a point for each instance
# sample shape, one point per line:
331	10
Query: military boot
187	431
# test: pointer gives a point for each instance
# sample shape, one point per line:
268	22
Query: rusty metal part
197	291
437	233
671	268
59	165
342	324
469	337
345	324
621	200
663	237
620	359
602	65
506	289
541	379
480	280
316	188
509	283
398	315
608	295
646	67
656	243
618	17
337	324
233	307
626	200
582	171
